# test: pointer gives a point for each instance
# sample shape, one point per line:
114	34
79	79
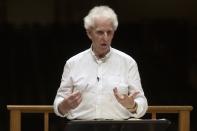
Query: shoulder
78	57
123	56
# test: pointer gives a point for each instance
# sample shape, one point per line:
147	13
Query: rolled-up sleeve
135	84
64	90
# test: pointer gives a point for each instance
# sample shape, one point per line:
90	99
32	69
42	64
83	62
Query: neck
100	55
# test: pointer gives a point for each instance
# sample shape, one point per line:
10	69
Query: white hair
100	11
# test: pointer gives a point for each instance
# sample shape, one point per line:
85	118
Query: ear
88	31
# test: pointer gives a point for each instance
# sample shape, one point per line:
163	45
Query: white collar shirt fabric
95	79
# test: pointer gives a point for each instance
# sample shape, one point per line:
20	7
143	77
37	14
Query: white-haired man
100	82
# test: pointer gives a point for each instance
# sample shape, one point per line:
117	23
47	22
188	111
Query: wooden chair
16	111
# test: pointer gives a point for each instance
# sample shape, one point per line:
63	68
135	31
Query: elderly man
100	82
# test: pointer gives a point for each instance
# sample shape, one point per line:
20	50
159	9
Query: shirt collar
101	59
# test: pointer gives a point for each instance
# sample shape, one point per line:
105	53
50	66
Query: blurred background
38	36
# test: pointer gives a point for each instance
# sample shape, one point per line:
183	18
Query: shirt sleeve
64	90
56	103
135	84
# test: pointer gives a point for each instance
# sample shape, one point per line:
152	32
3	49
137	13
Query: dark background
38	36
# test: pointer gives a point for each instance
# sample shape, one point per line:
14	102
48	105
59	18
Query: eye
99	32
109	32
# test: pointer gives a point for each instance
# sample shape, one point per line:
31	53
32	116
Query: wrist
133	108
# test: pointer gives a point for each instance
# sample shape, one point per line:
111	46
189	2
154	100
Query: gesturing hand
126	100
70	102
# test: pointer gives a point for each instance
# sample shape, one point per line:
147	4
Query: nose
105	35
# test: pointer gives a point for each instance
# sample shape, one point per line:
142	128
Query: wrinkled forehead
103	22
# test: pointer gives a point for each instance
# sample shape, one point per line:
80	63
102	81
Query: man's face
101	35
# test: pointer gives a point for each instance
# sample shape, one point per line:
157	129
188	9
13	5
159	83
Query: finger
117	95
134	94
74	94
75	97
79	100
76	102
115	90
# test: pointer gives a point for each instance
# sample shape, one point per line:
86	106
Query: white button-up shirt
96	79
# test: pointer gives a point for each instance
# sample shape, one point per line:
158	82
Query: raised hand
126	100
70	102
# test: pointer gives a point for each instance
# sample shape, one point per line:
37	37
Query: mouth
104	45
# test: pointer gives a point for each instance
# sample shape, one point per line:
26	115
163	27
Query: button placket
99	88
